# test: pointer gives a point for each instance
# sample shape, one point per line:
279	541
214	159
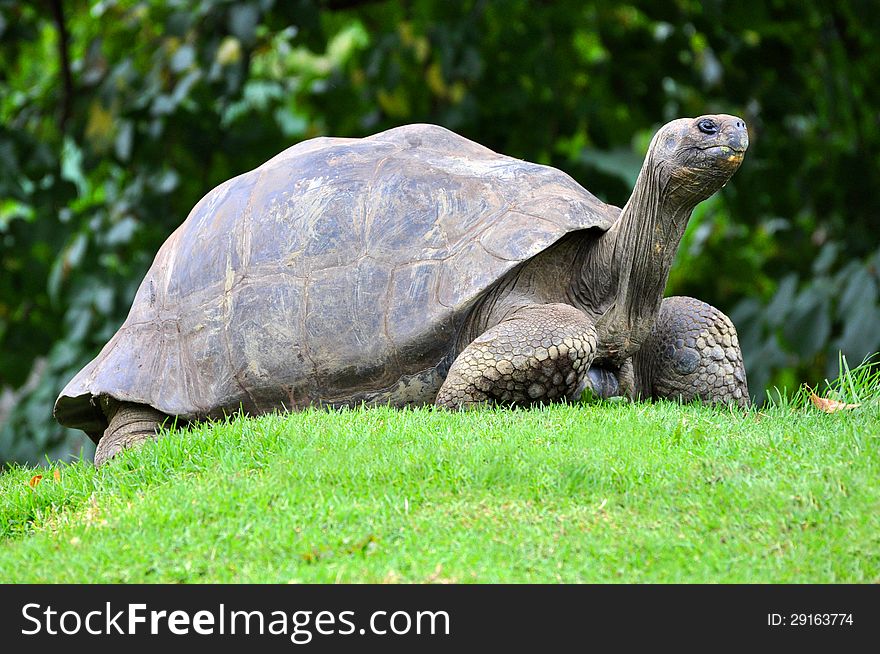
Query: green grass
604	492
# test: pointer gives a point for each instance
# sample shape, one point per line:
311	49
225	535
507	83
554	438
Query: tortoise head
698	155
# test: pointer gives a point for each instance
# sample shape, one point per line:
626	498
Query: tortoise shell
338	272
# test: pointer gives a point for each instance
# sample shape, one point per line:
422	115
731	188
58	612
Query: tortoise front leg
130	425
692	353
541	352
606	382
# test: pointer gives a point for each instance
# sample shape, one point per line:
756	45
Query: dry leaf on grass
36	479
57	475
830	406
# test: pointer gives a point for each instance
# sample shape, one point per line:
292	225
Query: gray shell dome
337	272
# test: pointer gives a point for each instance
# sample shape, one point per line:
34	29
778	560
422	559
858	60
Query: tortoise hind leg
692	353
130	425
540	353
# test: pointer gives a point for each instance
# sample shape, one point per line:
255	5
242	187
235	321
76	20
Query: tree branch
334	5
64	63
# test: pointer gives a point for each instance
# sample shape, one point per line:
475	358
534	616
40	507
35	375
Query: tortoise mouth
720	154
717	156
724	149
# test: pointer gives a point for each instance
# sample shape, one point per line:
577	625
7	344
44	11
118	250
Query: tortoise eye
707	126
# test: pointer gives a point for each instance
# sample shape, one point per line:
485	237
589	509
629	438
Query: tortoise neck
632	261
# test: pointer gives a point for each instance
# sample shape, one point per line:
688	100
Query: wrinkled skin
582	308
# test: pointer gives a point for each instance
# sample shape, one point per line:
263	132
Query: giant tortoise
415	267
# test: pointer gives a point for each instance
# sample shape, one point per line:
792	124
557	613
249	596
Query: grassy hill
575	493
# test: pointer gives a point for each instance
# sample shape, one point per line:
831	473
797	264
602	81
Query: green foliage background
117	116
